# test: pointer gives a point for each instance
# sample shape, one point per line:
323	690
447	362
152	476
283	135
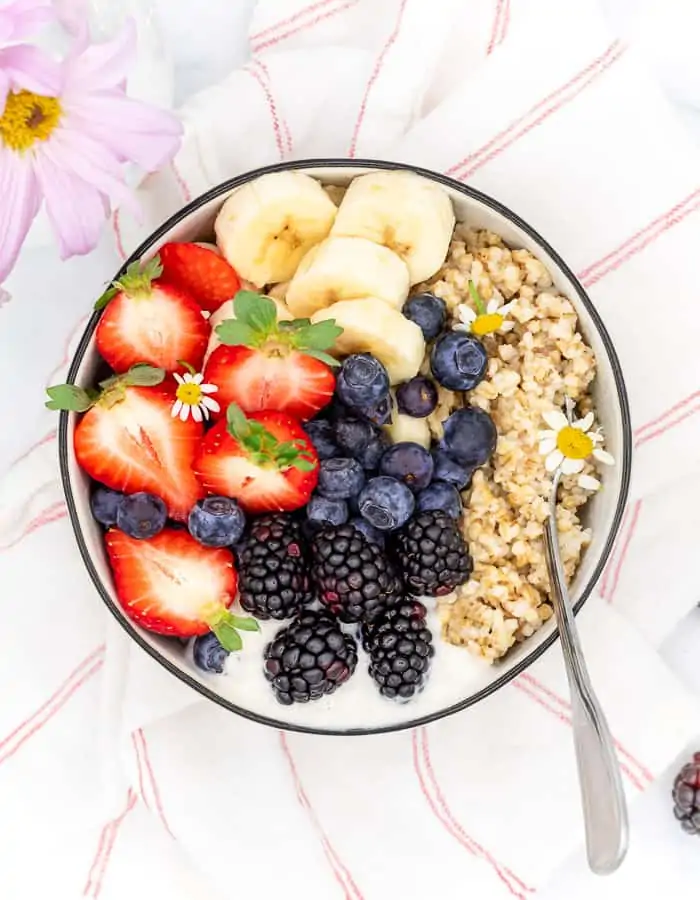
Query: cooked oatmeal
532	368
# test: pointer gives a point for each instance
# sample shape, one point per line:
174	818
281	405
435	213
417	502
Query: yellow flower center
28	118
487	323
189	394
574	443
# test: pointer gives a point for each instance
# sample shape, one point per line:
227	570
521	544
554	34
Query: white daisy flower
568	443
192	397
487	319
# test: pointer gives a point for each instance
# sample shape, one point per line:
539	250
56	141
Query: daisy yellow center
573	443
487	323
189	394
28	118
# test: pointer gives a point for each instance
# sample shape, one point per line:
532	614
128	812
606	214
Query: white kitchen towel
540	107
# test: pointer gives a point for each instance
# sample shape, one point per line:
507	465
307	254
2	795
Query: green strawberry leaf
227	635
323	357
255	310
303	464
69	397
237	334
238	426
108	295
320	336
143	375
245	623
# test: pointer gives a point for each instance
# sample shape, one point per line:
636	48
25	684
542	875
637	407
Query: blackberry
309	658
686	796
272	568
432	554
400	647
352	575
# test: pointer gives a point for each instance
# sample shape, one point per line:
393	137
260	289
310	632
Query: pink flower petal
20	204
77	211
25	17
73	15
30	68
4	90
95	164
134	131
101	67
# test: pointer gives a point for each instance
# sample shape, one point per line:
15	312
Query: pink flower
68	150
23	66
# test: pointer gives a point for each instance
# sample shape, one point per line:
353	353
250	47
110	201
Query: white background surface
206	41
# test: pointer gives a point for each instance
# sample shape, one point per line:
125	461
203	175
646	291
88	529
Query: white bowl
457	679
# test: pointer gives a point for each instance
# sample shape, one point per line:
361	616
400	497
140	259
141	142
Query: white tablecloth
205	47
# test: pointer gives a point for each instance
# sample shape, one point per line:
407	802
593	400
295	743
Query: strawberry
171	584
266	461
148	320
129	441
202	273
265	364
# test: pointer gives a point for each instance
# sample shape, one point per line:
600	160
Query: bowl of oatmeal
550	384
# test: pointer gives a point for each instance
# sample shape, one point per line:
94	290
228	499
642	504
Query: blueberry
442	497
322	511
386	503
354	435
458	361
374	451
469	436
321	434
216	522
417	397
340	478
428	312
209	655
449	471
370	532
408	462
141	515
104	504
379	414
335	411
362	381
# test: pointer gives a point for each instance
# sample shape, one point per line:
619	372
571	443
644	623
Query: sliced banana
225	311
408	428
279	291
347	268
405	212
208	246
267	226
371	326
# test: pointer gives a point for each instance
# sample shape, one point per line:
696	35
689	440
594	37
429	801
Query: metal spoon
602	795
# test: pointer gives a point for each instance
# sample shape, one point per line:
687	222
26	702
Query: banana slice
267	226
405	212
371	326
225	311
407	428
208	246
347	268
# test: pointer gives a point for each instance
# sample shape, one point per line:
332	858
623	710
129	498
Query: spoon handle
602	795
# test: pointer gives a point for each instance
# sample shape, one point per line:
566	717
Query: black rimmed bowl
457	679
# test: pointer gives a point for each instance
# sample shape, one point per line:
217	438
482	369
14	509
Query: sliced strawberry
203	273
149	320
266	461
171	584
265	364
258	380
129	441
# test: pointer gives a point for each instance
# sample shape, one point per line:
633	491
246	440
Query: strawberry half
149	320
203	273
171	584
266	461
129	441
265	364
